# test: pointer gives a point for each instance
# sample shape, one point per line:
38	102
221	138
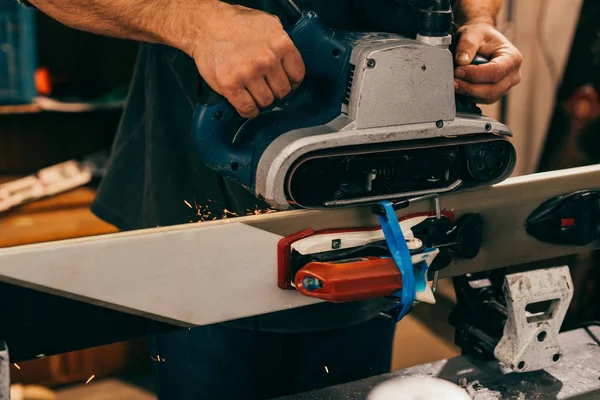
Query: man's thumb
468	46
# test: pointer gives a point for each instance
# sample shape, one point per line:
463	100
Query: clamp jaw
396	261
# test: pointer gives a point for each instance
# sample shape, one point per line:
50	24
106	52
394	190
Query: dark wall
93	64
85	66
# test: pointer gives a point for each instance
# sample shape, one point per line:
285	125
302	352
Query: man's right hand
246	56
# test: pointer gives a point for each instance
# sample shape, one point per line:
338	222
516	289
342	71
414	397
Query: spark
258	211
17	366
90	379
158	358
227	213
326	369
204	212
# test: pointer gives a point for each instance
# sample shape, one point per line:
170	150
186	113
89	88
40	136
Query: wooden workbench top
64	216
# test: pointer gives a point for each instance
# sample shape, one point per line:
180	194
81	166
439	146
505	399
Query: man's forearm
155	21
245	55
474	11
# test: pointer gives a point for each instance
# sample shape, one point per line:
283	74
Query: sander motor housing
376	118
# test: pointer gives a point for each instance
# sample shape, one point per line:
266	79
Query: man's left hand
486	83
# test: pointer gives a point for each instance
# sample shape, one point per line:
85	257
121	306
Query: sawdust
479	392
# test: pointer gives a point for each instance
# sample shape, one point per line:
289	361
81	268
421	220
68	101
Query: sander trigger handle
314	102
479	59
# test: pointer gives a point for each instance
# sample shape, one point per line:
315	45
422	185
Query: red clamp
343	265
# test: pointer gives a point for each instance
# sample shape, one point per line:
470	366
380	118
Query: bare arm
243	54
175	23
472	11
486	83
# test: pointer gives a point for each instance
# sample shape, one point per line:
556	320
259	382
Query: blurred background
61	97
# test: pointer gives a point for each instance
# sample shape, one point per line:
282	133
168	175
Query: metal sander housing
376	118
400	109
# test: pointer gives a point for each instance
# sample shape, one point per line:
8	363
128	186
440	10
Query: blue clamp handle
401	256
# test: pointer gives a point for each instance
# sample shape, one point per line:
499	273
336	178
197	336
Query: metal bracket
530	339
378	210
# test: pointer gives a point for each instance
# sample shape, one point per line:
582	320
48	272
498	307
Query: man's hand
489	82
248	58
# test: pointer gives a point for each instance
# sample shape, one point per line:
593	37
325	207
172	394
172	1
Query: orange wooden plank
80	197
63	216
23	228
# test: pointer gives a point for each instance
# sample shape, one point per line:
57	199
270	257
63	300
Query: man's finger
492	72
279	82
260	92
243	103
468	45
487	93
294	68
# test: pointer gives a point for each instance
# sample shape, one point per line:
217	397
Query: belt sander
375	119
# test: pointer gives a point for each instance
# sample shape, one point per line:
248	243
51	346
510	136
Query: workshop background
61	96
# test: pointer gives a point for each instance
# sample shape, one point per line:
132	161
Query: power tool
375	119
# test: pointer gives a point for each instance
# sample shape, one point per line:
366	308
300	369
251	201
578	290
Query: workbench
577	376
64	216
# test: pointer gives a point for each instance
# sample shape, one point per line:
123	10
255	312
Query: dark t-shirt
154	170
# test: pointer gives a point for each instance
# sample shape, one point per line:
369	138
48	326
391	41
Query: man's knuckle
281	41
498	74
266	59
261	62
285	90
298	75
228	83
266	100
475	74
247	109
248	71
281	93
490	95
517	78
519	59
468	41
269	100
281	90
272	21
483	97
230	96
